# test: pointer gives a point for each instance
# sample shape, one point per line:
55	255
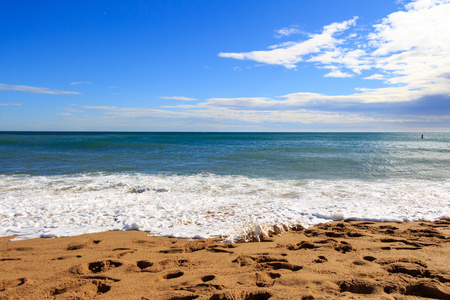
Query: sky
225	65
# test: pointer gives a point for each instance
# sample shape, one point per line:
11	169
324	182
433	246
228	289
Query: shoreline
341	259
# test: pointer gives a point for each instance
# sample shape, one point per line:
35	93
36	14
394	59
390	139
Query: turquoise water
216	184
260	155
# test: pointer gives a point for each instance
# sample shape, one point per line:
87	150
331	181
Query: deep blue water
258	155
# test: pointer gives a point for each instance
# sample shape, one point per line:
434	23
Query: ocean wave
205	205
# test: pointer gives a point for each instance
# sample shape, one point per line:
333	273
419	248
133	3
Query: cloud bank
35	90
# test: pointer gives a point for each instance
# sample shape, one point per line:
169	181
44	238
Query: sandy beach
345	259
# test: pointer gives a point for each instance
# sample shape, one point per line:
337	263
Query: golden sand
345	260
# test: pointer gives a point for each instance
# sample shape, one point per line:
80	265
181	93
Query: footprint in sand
241	295
194	246
387	261
266	279
9	259
387	229
190	297
205	286
24	249
173	275
102	266
199	245
422	288
9	283
67	257
321	259
144	264
369	258
147	266
408	268
443	223
83	289
426	288
221	248
124	252
283	265
429	233
101	277
334	234
430	283
77	246
95	267
358	286
339	246
208	278
301	245
265	261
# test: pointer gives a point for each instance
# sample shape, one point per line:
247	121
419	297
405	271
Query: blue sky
225	65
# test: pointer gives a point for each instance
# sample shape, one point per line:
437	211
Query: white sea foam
200	206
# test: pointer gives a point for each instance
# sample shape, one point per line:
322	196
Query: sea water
199	185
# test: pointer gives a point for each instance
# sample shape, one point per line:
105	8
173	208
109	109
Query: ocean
200	185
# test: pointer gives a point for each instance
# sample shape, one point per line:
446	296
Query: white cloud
80	82
283	45
338	74
413	45
286	31
409	50
35	90
375	77
410	47
180	98
293	53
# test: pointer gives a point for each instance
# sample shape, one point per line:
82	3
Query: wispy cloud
288	55
11	104
180	98
375	77
80	82
35	90
338	74
286	31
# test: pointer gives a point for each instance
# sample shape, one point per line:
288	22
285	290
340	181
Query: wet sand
345	260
